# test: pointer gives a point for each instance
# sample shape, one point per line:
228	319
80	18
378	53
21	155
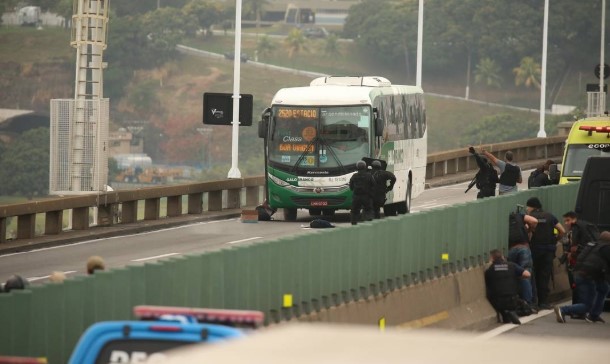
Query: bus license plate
319	203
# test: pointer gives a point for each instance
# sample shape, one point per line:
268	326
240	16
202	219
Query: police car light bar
598	129
204	315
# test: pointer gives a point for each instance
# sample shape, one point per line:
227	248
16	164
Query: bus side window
405	119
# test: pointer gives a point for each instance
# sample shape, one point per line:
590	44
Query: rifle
472	183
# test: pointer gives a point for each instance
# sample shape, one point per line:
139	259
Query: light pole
545	32
420	36
602	94
234	171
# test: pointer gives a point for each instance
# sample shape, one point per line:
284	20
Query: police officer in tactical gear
501	282
486	178
591	275
510	173
362	186
381	177
543	245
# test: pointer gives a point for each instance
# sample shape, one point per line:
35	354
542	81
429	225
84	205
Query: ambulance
588	138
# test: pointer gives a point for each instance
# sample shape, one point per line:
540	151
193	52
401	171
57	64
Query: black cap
534	202
361	165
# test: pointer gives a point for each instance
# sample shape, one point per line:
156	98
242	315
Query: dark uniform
501	282
543	245
486	178
381	178
362	185
591	275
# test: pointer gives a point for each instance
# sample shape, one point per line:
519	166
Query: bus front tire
404	207
290	214
389	210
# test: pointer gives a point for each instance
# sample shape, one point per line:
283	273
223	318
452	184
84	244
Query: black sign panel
218	109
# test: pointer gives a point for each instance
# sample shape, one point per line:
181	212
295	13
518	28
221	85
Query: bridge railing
440	165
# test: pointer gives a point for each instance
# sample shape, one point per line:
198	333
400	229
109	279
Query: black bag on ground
263	214
320	224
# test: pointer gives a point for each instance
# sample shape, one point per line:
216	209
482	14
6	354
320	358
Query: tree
265	46
24	165
488	73
296	42
256	8
499	128
206	13
527	73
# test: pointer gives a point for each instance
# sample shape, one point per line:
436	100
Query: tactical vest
362	183
590	262
544	232
502	280
510	175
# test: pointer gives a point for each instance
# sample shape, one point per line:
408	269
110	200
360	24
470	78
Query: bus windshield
320	137
577	156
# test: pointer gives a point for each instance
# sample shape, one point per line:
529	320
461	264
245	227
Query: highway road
37	265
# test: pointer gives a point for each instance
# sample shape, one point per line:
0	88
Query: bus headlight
277	181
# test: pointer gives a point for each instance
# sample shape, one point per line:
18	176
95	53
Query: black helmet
376	165
15	282
361	165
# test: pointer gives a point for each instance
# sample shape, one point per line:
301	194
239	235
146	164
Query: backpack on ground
263	213
320	224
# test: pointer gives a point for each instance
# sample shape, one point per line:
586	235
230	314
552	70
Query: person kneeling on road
501	282
591	275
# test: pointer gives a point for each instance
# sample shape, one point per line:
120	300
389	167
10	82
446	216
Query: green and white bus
315	135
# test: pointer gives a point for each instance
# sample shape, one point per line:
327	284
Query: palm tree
488	72
265	46
296	42
527	73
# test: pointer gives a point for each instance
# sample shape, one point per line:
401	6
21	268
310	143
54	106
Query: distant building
124	142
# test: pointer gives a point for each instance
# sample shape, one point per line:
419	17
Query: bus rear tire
389	210
290	214
404	207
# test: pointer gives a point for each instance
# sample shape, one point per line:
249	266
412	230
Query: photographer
486	178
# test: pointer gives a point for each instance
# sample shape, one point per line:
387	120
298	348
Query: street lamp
234	171
545	32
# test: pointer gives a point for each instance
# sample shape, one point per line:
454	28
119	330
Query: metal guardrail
440	165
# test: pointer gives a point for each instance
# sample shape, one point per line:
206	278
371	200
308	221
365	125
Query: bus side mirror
554	174
263	125
379	127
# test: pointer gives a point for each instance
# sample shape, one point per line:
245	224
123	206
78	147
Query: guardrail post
106	214
233	198
129	212
26	226
80	218
252	196
53	222
3	230
152	207
174	206
195	203
215	201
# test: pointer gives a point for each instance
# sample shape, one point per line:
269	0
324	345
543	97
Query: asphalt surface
119	251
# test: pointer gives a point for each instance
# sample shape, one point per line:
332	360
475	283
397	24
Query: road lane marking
115	237
34	279
507	327
155	257
425	321
243	240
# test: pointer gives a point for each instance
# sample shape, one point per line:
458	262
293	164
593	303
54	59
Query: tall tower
79	126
